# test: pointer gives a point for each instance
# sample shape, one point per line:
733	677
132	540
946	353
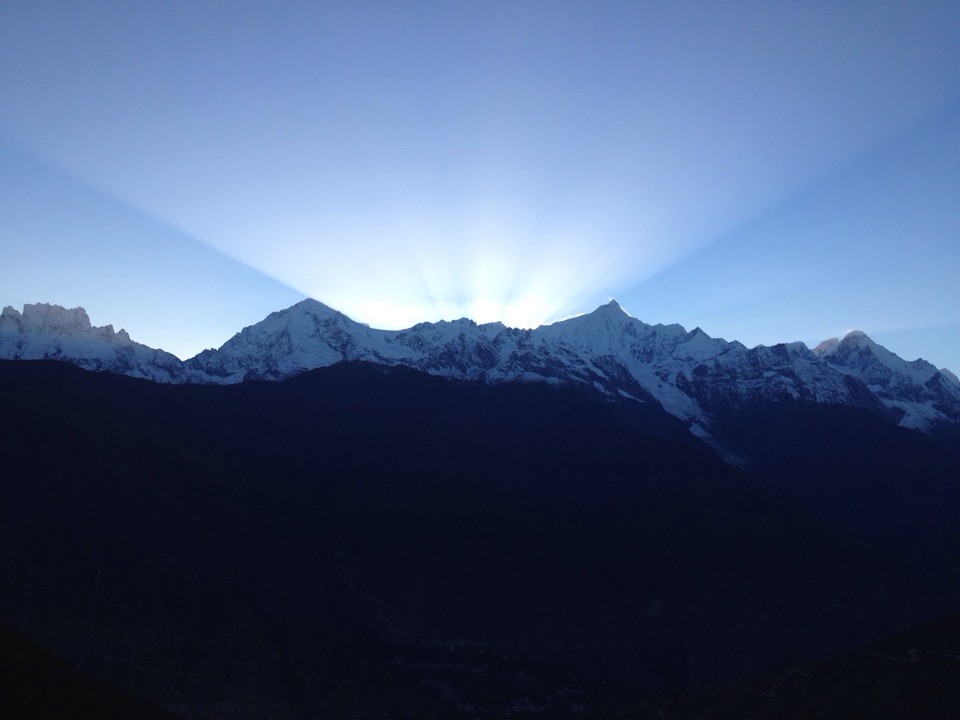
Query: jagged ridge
606	352
52	332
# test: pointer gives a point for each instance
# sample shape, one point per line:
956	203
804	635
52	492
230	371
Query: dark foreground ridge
367	542
912	674
35	684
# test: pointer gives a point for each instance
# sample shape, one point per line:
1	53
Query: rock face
50	332
919	395
607	353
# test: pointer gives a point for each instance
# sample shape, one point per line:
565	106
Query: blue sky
769	171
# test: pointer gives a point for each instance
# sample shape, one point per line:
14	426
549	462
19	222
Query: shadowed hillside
35	684
369	542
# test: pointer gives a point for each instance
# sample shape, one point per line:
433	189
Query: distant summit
52	332
916	391
605	353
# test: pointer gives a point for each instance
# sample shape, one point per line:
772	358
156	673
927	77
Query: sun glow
520	283
410	267
485	297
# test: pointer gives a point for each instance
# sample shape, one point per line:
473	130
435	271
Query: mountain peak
852	339
45	331
858	337
904	386
826	347
314	307
55	318
612	307
690	374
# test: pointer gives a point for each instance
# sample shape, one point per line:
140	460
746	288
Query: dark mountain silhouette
913	674
35	684
368	541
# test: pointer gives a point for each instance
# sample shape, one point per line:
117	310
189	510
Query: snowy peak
302	337
52	319
312	307
607	353
853	341
857	350
696	345
606	329
53	332
858	337
826	347
611	308
52	323
920	395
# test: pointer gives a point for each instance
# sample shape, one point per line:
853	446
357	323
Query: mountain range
321	519
606	353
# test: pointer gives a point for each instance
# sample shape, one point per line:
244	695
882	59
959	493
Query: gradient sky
769	171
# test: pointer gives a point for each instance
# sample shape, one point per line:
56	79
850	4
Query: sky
767	171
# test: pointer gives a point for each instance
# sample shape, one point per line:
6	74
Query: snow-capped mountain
918	393
691	375
51	332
